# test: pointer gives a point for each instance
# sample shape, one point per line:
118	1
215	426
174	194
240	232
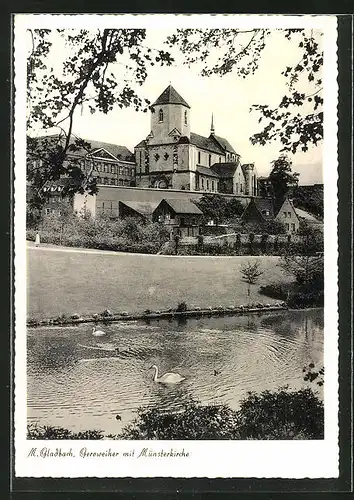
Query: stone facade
173	157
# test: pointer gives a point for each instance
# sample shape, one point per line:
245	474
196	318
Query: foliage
266	227
250	274
307	270
91	75
274	290
49	432
219	208
311	239
310	199
297	120
281	414
297	296
305	260
193	422
308	298
103	233
182	307
312	374
282	177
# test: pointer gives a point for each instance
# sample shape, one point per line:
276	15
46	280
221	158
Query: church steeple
212	129
170	117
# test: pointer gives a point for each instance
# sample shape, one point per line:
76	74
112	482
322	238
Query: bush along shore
107	316
279	414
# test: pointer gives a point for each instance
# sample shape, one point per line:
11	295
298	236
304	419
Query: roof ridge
170	96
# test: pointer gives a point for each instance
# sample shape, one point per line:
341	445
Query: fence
245	244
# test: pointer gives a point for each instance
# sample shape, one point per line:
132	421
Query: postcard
176	246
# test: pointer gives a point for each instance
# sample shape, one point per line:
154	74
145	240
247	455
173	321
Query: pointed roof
182	206
224	143
170	96
212	129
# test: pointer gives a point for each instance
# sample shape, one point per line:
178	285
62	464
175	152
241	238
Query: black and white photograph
175	246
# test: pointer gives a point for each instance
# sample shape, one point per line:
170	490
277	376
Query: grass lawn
86	281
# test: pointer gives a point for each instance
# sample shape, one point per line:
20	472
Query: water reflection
82	382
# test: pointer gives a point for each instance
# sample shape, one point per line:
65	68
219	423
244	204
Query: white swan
168	378
97	333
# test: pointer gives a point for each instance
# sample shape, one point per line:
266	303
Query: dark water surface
79	381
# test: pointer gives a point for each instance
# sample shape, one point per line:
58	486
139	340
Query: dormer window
160	115
185	117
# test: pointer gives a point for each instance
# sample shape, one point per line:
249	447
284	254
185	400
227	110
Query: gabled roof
265	205
182	206
224	143
206	171
268	208
119	152
170	96
206	143
141	144
142	207
226	169
305	215
102	153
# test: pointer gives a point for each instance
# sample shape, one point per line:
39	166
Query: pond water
79	381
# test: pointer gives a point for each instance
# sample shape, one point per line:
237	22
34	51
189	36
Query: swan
168	378
97	333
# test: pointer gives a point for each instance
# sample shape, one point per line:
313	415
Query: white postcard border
262	459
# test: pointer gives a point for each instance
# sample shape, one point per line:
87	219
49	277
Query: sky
229	98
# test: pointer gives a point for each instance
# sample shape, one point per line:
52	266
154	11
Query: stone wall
117	193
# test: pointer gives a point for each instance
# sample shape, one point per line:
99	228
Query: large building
173	157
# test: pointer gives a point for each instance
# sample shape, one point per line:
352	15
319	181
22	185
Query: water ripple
78	382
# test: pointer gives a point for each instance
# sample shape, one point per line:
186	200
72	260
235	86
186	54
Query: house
140	209
174	157
182	217
110	164
262	210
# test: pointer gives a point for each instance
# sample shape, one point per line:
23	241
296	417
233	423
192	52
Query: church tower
170	119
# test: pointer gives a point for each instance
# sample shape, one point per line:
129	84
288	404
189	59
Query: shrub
182	307
314	298
103	233
274	290
193	422
281	414
49	432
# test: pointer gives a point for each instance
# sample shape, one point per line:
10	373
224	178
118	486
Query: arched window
160	115
185	117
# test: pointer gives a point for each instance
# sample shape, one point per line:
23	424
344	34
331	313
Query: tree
233	209
304	261
309	198
213	207
219	208
282	177
97	69
250	274
240	50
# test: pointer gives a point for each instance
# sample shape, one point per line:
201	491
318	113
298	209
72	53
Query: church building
173	157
